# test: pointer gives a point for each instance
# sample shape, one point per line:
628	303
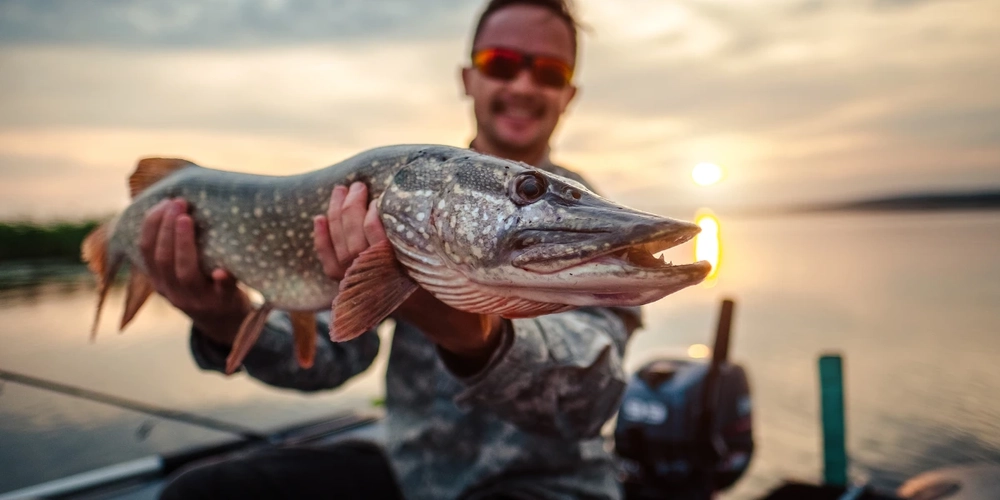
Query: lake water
911	300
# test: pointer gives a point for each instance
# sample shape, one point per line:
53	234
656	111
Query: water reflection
28	282
698	351
708	243
917	322
44	333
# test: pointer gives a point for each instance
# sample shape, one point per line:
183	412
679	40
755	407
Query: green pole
831	381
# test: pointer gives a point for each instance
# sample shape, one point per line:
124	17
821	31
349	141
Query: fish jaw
606	281
598	268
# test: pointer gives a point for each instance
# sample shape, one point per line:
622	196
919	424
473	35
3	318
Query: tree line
28	240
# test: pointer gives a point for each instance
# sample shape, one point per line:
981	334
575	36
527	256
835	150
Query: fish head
487	228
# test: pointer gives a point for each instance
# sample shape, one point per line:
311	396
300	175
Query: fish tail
104	266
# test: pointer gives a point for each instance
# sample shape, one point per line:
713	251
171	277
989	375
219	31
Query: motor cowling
671	438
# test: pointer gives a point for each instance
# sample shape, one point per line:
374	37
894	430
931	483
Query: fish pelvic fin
304	332
374	286
149	171
139	289
247	336
94	251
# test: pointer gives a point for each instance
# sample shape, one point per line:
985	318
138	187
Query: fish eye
529	187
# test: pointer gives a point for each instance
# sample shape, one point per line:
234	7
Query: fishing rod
137	406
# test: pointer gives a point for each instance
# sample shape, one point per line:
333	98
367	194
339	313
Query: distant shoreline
922	202
918	202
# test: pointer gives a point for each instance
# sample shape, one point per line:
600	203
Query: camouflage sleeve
272	359
559	374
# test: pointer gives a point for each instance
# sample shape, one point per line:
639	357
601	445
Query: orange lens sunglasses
505	64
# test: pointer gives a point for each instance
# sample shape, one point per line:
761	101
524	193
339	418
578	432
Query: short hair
562	9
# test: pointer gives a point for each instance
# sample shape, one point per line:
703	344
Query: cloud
797	100
218	23
336	94
899	4
807	107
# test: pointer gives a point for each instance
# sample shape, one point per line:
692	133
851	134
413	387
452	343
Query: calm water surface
912	301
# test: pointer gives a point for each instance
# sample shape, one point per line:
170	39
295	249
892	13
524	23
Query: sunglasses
505	64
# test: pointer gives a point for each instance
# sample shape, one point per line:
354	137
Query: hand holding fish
350	227
213	301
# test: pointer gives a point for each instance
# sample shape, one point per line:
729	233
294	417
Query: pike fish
480	233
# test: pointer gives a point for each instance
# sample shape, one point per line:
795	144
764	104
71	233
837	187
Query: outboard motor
684	425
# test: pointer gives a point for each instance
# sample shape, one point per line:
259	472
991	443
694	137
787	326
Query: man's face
520	115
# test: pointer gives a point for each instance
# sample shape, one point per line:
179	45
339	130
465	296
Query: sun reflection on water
708	243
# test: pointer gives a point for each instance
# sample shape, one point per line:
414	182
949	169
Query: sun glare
707	245
706	174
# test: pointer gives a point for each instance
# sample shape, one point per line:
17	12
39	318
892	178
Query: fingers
350	226
324	248
221	275
169	248
335	225
353	217
222	282
163	254
186	266
374	232
148	236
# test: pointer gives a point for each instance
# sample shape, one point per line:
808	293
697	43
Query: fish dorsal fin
151	170
374	286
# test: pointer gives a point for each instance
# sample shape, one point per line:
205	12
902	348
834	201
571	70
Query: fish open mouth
626	271
643	255
632	253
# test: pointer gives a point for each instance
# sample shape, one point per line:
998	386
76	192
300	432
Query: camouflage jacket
528	424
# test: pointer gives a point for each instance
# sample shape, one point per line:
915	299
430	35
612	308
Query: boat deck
144	478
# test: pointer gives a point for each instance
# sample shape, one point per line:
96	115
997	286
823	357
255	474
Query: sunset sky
797	100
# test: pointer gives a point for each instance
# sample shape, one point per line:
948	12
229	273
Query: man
477	406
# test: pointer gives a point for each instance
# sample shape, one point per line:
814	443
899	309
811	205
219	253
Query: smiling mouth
518	112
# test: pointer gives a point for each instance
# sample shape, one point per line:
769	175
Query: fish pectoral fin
139	289
149	171
374	286
94	251
247	336
304	332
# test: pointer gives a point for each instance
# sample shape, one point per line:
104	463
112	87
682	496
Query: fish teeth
662	257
